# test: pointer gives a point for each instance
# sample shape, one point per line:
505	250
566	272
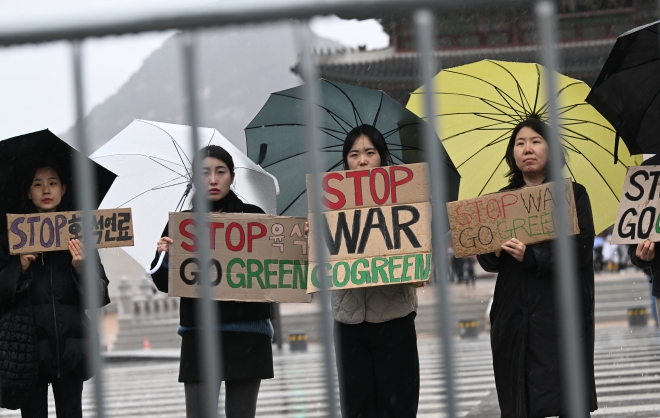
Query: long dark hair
376	138
514	174
26	205
219	153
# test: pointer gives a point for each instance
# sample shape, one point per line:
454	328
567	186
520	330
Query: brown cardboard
42	232
343	190
482	224
241	242
365	229
639	207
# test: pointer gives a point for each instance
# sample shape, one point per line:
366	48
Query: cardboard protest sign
379	224
42	232
255	258
482	224
638	218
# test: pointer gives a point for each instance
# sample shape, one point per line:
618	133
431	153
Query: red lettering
357	182
476	205
182	230
212	228
488	206
251	236
241	242
395	183
372	185
504	204
341	199
463	213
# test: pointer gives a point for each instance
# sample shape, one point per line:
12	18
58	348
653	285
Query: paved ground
627	378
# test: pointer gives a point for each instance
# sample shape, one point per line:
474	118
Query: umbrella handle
158	264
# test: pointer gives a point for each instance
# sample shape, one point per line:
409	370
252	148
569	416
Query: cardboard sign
482	224
379	224
42	232
638	218
255	258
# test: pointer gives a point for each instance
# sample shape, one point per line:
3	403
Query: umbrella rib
599	174
177	147
500	91
380	105
490	144
356	115
299	154
523	97
559	92
491	177
151	189
328	111
305	191
469	130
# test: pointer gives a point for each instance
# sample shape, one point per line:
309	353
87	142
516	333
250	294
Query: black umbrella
276	136
627	90
20	155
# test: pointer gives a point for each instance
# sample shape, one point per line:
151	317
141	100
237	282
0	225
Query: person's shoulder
655	160
578	189
250	208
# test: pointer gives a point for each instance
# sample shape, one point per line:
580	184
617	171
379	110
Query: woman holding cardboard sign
245	326
375	338
524	335
53	282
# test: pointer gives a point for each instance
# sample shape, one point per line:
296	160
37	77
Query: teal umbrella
276	136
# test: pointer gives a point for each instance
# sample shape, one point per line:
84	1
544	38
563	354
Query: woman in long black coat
245	327
524	317
56	288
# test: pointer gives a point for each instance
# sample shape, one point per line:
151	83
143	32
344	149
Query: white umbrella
153	161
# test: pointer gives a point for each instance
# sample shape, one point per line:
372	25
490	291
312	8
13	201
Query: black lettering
381	225
631	230
195	273
640	232
489	231
654	185
633	182
532	202
547	199
397	227
472	239
342	230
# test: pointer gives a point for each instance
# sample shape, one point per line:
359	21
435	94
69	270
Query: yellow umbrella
479	104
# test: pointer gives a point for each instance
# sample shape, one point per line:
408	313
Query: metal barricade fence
76	27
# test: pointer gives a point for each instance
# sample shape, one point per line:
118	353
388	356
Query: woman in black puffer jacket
57	291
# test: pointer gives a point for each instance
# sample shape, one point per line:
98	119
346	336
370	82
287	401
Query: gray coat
373	304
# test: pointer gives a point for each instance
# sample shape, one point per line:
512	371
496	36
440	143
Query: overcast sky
36	81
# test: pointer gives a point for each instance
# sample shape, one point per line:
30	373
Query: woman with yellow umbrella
491	123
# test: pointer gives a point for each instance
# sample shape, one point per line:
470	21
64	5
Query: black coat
57	294
245	355
524	322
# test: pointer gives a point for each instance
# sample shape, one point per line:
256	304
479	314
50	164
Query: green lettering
517	227
241	276
499	231
393	278
315	280
365	277
550	221
530	225
347	274
657	225
255	274
300	274
421	271
406	265
377	270
267	264
283	263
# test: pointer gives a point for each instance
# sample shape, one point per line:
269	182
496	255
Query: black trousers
67	392
378	367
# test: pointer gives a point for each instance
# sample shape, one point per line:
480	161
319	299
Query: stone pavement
144	383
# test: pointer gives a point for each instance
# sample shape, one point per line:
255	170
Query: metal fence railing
76	27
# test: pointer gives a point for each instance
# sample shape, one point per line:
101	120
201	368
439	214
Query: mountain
239	67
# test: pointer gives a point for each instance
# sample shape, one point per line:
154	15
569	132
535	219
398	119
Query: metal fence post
85	194
573	376
313	97
424	24
210	350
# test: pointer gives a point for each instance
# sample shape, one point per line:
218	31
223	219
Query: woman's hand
515	248
163	245
77	251
645	251
306	230
26	260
